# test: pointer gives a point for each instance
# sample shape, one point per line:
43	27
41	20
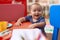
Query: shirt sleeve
27	18
42	19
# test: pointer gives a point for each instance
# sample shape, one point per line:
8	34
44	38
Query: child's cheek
32	13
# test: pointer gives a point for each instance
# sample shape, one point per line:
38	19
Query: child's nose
37	12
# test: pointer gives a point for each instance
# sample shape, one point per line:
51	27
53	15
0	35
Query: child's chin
36	17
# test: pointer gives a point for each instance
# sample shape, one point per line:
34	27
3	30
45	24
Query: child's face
36	11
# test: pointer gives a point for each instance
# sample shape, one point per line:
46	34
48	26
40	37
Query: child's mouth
36	15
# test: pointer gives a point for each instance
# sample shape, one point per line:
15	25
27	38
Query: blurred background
45	5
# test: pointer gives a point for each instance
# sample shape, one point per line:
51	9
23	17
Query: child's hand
17	24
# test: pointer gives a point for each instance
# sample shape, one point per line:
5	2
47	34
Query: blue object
55	15
55	20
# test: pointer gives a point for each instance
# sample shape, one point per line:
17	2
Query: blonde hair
36	4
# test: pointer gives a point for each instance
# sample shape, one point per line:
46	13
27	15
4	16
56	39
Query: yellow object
3	25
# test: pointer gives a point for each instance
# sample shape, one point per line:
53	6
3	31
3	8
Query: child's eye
39	10
34	10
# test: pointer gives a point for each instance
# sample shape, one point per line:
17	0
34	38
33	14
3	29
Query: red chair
24	2
11	12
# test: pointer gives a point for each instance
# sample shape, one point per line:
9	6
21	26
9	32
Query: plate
9	25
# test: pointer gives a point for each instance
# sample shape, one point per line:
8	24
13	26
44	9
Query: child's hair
37	4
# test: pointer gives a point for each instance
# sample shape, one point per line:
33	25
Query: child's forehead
35	6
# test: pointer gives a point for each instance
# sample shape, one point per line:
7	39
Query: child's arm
41	24
19	21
